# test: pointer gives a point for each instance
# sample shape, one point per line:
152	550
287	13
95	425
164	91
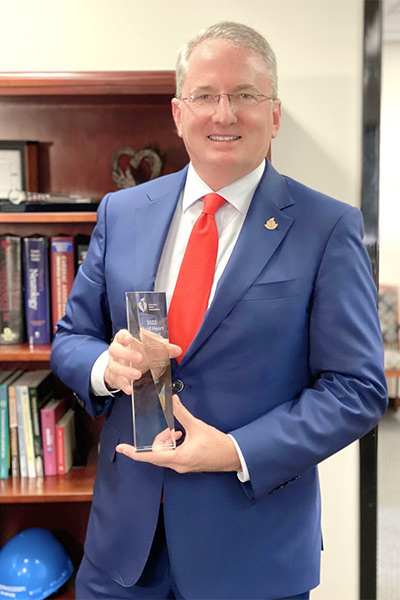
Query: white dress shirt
229	220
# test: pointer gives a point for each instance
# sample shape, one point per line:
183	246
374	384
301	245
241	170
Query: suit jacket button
177	386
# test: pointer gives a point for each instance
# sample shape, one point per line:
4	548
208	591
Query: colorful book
6	377
11	296
62	273
13	425
65	439
41	388
50	414
37	293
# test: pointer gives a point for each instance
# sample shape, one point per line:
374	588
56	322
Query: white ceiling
391	20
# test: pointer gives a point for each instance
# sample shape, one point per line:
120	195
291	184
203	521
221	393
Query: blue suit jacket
288	359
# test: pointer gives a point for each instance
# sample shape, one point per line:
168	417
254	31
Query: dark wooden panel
78	138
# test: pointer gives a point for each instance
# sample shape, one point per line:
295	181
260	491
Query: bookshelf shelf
59	217
75	486
25	353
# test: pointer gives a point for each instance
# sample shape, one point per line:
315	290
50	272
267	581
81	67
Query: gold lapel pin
271	224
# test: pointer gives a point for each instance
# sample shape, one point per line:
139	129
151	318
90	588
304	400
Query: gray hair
236	34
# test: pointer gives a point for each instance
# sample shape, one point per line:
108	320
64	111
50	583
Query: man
285	369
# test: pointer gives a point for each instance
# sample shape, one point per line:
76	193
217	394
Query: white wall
389	214
319	48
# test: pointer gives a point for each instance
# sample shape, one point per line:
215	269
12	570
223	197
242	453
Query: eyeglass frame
230	95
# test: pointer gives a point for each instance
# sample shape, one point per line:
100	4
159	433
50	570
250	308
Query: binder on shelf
50	414
37	293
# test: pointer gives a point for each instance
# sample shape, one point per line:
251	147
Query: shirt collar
239	193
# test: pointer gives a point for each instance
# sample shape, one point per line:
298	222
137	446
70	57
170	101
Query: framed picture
18	166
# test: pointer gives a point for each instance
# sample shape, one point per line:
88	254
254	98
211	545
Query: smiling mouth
224	138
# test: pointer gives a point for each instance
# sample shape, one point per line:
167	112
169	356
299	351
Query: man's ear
276	118
177	114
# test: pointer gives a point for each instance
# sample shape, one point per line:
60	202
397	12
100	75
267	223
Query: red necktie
192	290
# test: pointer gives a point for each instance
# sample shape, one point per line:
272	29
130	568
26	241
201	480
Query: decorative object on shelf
24	201
149	158
18	166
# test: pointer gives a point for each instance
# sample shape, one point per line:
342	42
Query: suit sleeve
348	392
85	330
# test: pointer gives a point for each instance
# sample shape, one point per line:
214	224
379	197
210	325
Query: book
65	440
41	388
17	398
50	414
13	425
25	427
11	296
3	426
6	377
81	249
37	293
62	273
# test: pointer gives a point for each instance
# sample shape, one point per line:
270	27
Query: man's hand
127	361
205	448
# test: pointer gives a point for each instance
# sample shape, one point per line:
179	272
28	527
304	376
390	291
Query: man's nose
224	111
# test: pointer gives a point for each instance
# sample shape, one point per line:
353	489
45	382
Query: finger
123	337
117	373
174	350
127	450
184	416
125	354
160	458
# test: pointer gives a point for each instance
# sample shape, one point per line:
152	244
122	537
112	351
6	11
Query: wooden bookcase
80	120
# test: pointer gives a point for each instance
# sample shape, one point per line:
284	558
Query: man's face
225	143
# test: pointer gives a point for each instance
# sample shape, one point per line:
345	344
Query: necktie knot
212	202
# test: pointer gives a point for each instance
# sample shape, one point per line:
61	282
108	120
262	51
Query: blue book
37	289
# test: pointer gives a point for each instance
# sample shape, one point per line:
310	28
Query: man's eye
246	96
204	97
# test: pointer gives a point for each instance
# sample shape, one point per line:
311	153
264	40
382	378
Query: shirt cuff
244	474
97	384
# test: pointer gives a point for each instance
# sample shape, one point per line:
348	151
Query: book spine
48	441
61	274
37	301
4	433
11	301
13	423
23	391
49	418
60	441
23	465
37	438
81	249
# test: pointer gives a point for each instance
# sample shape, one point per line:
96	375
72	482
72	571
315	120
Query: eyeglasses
238	101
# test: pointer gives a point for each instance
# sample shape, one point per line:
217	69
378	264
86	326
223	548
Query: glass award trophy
153	420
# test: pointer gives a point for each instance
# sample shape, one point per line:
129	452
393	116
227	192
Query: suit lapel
150	225
254	248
